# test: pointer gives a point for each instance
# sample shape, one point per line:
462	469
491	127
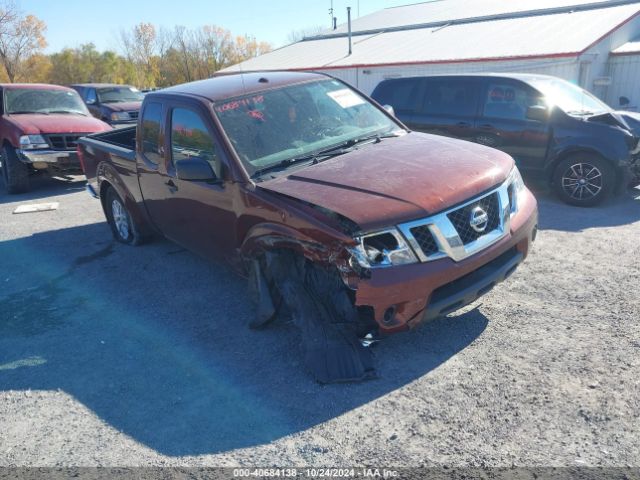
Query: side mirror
194	169
624	101
389	109
539	113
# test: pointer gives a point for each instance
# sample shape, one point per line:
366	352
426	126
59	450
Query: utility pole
333	20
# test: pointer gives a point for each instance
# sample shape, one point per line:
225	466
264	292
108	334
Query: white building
596	44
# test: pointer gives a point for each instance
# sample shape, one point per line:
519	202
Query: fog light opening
389	315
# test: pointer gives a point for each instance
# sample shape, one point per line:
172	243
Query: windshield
32	100
569	97
299	120
119	94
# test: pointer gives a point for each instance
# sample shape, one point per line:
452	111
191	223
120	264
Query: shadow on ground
42	186
622	209
153	340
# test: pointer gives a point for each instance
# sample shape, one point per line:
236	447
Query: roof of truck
34	86
228	86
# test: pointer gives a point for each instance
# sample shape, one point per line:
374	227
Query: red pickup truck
39	128
338	214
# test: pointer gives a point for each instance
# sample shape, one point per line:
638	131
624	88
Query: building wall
598	63
625	72
607	76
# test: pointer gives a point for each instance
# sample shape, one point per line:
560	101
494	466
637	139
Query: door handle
486	126
172	186
463	124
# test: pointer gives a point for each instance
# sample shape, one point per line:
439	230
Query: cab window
151	118
402	94
191	139
450	97
509	101
90	96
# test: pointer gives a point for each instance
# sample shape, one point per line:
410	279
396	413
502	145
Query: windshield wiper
287	162
324	154
72	112
580	112
18	112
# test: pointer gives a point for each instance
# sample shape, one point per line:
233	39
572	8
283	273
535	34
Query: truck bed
116	147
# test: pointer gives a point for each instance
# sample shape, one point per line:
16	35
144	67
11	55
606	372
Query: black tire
584	180
15	174
120	220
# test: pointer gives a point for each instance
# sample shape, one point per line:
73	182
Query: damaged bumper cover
42	159
403	296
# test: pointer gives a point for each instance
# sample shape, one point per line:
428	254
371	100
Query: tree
23	38
140	46
296	35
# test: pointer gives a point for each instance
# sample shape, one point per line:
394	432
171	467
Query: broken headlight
30	142
515	189
382	249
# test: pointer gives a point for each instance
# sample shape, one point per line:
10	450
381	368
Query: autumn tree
24	37
140	47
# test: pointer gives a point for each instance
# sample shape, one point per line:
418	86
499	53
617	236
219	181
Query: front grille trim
448	239
63	141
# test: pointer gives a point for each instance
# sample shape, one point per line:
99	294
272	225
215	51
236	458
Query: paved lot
119	356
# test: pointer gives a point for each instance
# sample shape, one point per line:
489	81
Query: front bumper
402	297
43	159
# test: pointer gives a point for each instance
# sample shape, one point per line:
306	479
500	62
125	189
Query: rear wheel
15	174
122	224
583	180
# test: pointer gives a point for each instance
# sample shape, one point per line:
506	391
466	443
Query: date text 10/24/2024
314	473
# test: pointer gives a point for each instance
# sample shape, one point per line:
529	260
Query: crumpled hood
397	180
123	106
34	124
632	119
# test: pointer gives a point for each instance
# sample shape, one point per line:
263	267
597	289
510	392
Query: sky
71	23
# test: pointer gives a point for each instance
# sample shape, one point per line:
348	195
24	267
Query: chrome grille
460	218
425	239
450	234
133	114
63	142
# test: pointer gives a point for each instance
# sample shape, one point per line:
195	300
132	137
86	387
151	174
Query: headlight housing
515	189
30	142
120	116
383	249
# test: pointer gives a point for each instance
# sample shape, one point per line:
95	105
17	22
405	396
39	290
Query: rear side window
151	118
509	100
402	94
451	97
190	138
90	95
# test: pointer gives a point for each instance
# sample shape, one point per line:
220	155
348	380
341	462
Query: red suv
39	128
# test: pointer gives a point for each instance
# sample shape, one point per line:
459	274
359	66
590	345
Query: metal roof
443	11
552	35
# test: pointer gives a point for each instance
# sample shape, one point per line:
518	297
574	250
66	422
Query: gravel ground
119	356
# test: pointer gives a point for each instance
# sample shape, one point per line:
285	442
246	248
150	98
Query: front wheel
15	174
122	224
583	180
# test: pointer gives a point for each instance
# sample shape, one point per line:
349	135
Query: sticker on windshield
345	98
